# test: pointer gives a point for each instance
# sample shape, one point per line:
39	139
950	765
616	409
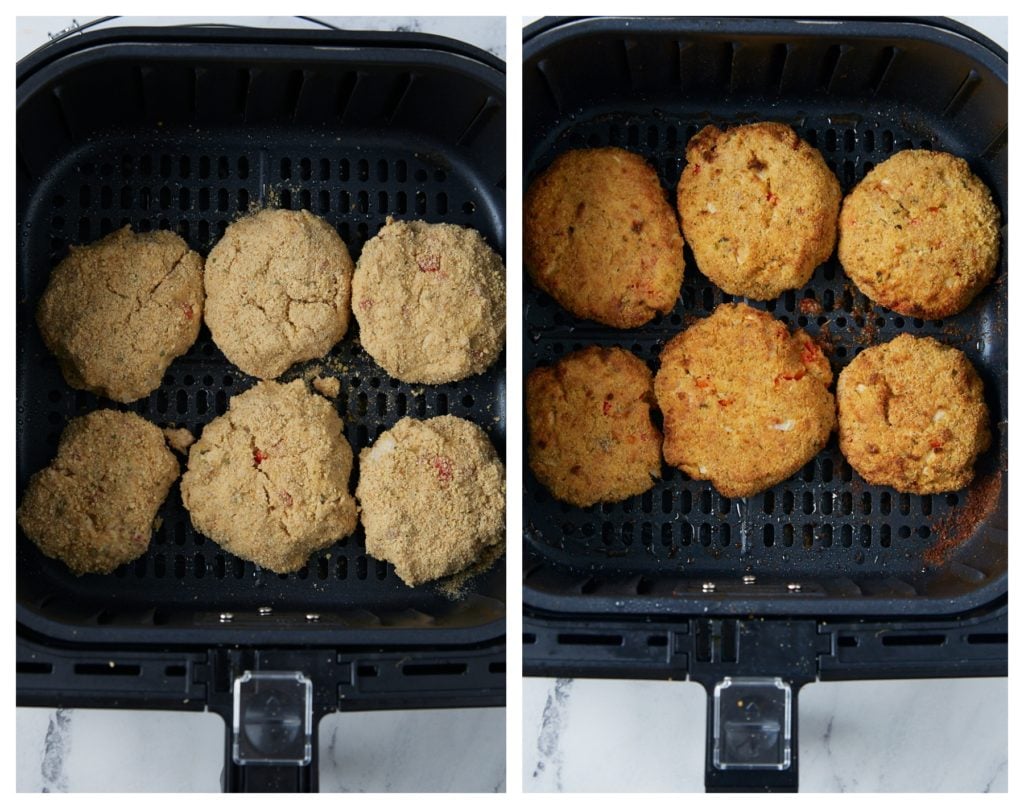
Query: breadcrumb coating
117	312
432	495
269	480
93	507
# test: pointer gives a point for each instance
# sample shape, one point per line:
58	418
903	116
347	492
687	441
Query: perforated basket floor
196	183
823	540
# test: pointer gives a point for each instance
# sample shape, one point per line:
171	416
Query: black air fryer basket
186	129
822	576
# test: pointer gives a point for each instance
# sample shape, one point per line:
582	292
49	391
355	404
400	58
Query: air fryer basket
804	580
188	129
859	92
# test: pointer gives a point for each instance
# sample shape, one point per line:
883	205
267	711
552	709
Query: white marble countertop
905	736
167	751
145	751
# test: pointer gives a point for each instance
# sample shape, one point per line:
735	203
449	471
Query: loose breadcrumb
327	386
179	439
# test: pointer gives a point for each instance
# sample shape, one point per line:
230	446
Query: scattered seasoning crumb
869	334
327	386
958	524
810	306
457	587
179	439
313	371
826	342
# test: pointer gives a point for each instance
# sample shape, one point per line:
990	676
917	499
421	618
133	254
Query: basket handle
751	735
272	736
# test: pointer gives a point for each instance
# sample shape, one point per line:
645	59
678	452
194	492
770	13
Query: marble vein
552	726
1003	765
55	751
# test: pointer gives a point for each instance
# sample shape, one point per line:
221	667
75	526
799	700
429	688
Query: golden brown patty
920	234
746	403
93	507
278	287
912	415
268	480
758	207
601	239
432	495
117	312
430	301
591	435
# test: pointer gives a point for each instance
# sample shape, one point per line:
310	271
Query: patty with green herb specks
93	507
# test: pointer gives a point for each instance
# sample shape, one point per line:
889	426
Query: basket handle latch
272	737
751	742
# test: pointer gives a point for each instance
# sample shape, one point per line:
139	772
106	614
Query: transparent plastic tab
752	724
273	718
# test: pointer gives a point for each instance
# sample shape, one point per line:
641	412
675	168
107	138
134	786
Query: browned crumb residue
826	341
809	306
958	525
179	439
327	386
867	335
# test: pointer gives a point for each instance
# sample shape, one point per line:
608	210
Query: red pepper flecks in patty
791	377
187	309
810	352
607	407
443	467
258	456
431	263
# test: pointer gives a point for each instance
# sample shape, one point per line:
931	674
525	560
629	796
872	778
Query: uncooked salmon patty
269	480
93	507
278	288
430	301
432	495
117	312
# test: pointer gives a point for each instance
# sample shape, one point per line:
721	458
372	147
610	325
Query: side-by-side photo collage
511	404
